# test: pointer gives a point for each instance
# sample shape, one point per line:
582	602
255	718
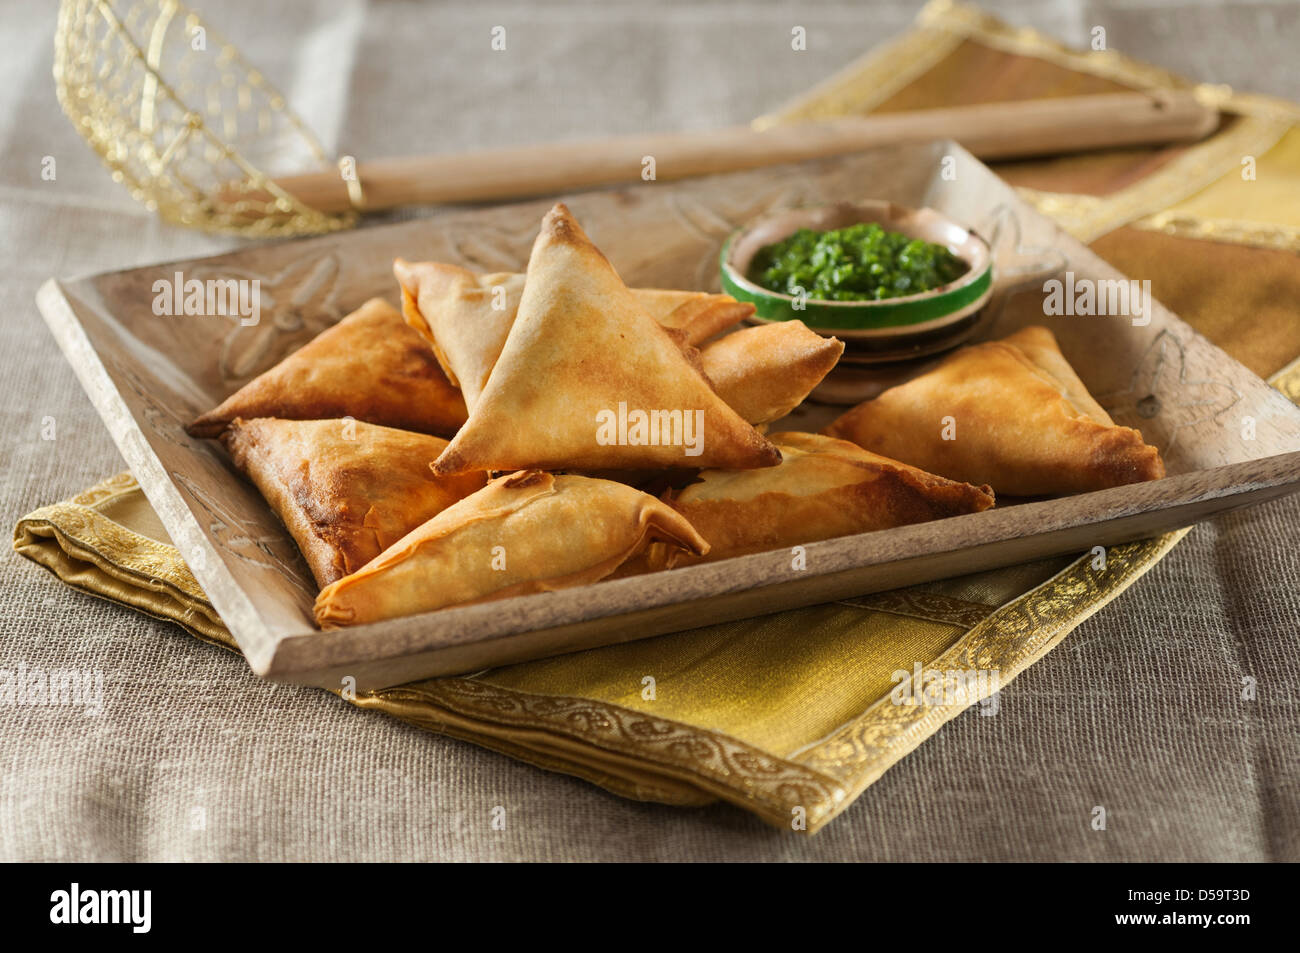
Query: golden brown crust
763	373
697	314
345	491
523	533
370	366
1039	347
581	355
411	314
466	317
823	488
1018	421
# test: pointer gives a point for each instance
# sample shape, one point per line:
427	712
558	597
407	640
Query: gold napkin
793	715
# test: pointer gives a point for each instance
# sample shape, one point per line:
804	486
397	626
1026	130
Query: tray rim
227	596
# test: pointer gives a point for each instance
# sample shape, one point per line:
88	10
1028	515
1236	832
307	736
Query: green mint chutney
859	263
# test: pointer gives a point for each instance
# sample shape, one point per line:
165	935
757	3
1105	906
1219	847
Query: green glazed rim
950	301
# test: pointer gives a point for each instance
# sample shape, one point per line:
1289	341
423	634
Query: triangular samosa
466	317
763	373
588	380
823	488
523	533
370	366
346	490
1010	413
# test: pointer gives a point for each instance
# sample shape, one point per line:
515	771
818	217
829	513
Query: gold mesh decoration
182	120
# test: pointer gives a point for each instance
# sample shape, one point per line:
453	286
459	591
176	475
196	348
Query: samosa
823	488
763	373
344	489
523	533
588	380
370	366
1010	413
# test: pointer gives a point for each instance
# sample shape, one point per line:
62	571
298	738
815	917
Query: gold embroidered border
718	763
1287	381
1088	217
119	485
145	561
133	569
629	752
625	776
930	606
1256	234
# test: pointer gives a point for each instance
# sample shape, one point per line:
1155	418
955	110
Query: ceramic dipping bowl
892	329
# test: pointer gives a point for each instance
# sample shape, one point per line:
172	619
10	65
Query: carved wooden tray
1227	437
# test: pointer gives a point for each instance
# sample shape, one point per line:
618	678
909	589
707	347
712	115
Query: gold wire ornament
183	121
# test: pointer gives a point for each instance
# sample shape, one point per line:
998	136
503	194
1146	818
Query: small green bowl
891	329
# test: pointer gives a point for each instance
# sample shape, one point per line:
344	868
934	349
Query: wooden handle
992	131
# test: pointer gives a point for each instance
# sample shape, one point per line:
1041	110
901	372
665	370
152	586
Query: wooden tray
1228	438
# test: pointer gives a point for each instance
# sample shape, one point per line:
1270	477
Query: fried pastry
466	317
588	380
523	533
697	314
370	366
346	490
823	488
1010	413
763	373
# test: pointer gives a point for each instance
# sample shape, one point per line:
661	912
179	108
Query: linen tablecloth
193	758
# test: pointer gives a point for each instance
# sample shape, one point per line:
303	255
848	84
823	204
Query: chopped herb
859	263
